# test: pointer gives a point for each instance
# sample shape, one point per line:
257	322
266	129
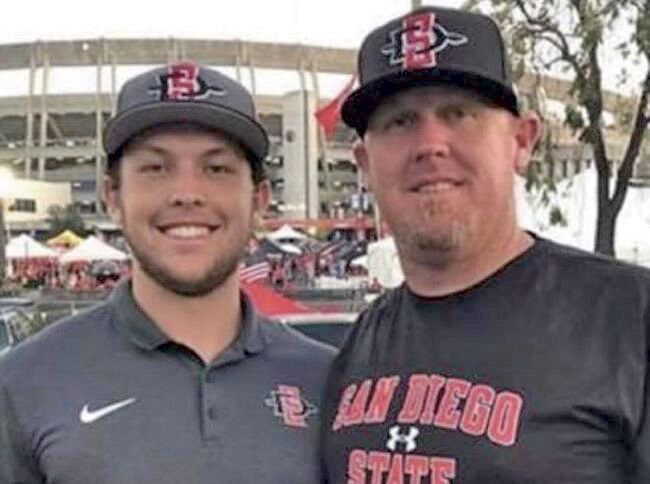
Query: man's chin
188	285
437	242
188	278
190	289
441	239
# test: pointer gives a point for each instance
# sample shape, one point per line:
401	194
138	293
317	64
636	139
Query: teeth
436	187
187	231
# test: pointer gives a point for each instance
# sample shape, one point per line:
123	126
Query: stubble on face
139	215
445	224
222	268
442	230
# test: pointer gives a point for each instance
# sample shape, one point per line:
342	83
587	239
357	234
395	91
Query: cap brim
242	129
361	103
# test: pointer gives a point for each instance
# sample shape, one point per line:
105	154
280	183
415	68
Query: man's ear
110	194
361	156
528	131
262	197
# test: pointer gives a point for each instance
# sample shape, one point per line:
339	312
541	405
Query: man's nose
188	189
433	138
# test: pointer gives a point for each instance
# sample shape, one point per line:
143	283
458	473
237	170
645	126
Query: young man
504	358
174	379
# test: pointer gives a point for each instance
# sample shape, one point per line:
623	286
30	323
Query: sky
336	23
331	23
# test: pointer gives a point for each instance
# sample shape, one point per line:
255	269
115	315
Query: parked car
6	338
12	302
15	324
330	328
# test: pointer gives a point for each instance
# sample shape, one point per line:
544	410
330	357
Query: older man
504	358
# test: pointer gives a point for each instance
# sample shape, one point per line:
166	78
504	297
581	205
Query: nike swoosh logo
89	416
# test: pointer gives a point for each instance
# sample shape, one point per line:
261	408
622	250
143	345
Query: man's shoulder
59	341
584	265
385	304
293	343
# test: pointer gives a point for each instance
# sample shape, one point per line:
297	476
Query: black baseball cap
430	45
185	92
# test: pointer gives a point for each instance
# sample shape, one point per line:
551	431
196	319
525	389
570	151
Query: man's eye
217	168
401	120
454	113
457	113
152	167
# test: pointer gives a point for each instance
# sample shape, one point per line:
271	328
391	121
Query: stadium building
54	137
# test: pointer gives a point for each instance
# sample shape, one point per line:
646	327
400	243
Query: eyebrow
390	110
147	148
152	148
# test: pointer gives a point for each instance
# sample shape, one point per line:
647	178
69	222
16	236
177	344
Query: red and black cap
429	46
185	92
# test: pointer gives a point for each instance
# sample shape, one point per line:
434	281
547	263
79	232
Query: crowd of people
286	270
77	276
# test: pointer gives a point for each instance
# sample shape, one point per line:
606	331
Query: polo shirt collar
251	336
143	332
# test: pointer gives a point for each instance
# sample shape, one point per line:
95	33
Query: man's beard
433	240
432	244
222	268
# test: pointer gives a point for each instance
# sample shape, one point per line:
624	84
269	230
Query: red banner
329	115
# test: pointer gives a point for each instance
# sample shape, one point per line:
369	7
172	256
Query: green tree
574	38
64	218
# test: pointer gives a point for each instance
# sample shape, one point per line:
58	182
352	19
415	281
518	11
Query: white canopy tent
383	263
290	248
24	247
286	233
361	261
92	249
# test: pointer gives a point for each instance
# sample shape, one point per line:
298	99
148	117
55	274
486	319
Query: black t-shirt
536	375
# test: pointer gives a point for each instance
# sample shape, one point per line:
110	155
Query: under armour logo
417	42
398	438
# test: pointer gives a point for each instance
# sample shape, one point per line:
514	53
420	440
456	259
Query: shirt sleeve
641	449
17	465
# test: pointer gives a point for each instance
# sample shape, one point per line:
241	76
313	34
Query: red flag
329	114
255	272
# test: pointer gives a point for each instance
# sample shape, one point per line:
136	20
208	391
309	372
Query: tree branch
556	37
634	145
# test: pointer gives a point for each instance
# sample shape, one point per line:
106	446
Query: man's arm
640	451
640	455
17	465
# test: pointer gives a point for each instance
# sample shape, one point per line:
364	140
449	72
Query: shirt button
212	413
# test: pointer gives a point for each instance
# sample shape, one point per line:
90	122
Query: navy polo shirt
105	397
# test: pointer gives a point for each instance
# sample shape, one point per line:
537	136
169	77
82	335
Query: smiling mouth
435	187
187	232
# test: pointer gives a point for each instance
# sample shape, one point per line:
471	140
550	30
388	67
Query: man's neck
455	275
207	324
